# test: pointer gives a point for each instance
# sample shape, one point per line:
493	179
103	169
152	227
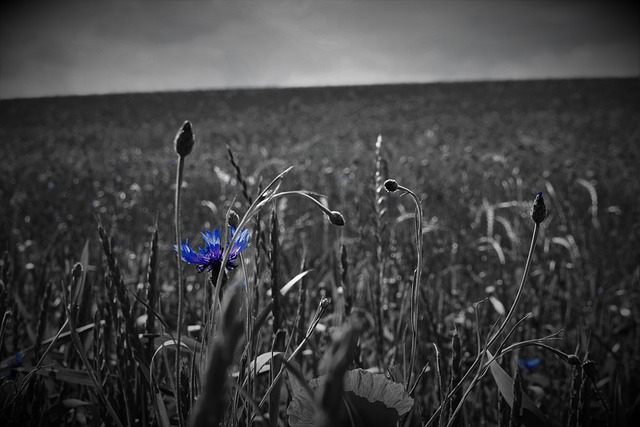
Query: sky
94	47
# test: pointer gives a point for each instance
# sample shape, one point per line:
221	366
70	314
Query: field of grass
475	154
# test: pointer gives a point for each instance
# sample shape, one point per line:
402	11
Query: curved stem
413	309
322	207
179	176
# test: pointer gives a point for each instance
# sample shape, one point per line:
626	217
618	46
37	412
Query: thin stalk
179	176
322	307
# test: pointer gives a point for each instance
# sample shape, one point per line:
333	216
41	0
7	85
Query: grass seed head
184	140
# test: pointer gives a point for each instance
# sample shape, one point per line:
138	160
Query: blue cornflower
530	364
211	256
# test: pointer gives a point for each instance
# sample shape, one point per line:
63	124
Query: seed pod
184	140
538	210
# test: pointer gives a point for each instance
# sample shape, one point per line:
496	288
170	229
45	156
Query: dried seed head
391	185
538	210
336	218
184	140
233	219
574	360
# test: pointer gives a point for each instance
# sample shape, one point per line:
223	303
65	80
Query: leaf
74	403
84	261
286	288
262	316
71	376
372	399
260	364
532	416
497	305
162	418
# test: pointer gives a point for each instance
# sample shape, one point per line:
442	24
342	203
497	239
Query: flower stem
416	283
179	176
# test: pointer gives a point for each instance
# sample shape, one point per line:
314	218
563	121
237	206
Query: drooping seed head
391	185
538	210
336	218
184	140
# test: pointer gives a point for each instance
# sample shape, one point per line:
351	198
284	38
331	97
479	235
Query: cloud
97	47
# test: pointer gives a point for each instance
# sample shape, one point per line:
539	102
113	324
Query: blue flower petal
211	255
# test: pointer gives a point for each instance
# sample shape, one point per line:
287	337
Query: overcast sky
61	47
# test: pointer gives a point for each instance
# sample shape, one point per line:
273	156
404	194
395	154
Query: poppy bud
391	185
538	210
336	218
184	140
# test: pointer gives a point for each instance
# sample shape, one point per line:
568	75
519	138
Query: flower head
530	364
211	256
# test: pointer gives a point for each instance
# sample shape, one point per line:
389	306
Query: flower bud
325	303
76	272
538	210
184	140
336	218
391	185
233	219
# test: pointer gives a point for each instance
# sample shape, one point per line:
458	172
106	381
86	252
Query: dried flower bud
391	185
184	140
538	210
336	218
574	360
233	219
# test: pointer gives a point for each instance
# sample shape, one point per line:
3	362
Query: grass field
475	154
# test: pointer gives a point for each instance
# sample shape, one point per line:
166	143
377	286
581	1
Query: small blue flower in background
529	364
211	256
